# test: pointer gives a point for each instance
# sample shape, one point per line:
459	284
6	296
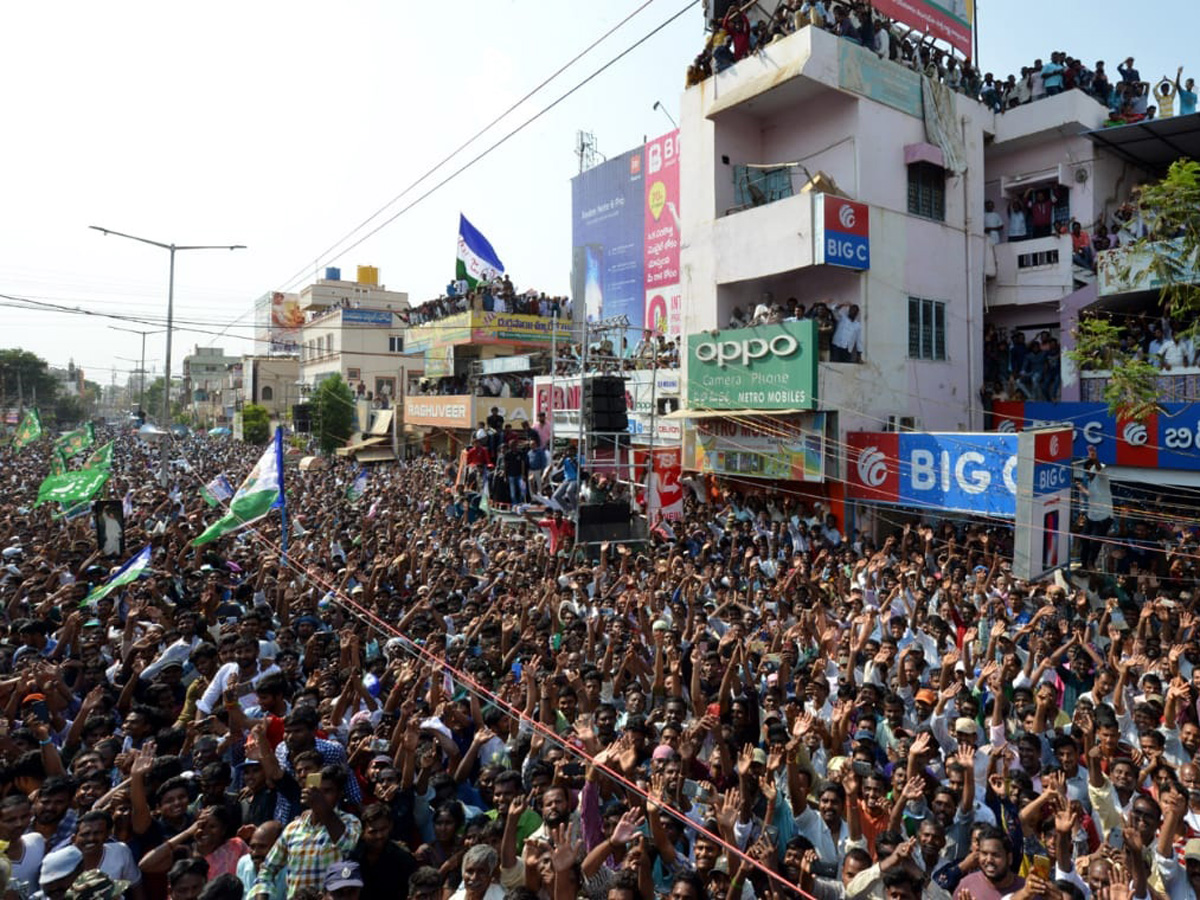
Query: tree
154	400
333	413
1168	256
26	377
256	424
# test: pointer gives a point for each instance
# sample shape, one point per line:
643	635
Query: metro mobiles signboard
1043	533
973	473
841	233
1169	439
763	367
951	21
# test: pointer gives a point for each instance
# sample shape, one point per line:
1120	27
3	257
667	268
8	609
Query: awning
1153	477
729	413
1153	144
383	422
359	445
379	455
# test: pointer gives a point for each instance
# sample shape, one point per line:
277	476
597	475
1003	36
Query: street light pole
172	248
142	367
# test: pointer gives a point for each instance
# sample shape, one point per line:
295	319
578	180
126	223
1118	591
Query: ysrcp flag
124	575
477	261
71	488
358	487
261	492
76	441
28	431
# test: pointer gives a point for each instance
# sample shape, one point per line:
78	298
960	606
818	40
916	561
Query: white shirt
993	225
212	694
848	334
1099	496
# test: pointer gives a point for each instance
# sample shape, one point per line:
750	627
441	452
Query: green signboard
764	367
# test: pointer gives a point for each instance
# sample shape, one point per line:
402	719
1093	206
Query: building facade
815	173
353	329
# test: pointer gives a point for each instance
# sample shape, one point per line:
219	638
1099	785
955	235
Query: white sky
282	125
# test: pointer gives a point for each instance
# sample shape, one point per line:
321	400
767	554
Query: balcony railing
1180	385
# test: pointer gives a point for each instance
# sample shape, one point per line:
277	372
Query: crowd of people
1017	367
418	700
1162	341
745	29
839	328
496	295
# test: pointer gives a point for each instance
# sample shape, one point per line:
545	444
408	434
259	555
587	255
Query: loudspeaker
302	418
604	406
609	522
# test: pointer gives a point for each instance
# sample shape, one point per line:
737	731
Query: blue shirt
1187	102
1052	75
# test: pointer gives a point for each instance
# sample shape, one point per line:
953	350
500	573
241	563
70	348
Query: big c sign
974	473
765	367
842	232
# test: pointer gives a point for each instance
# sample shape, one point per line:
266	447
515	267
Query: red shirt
558	531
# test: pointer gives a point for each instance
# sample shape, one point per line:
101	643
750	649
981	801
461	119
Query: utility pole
172	249
141	365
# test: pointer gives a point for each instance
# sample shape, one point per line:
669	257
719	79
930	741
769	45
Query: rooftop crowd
497	295
746	29
421	701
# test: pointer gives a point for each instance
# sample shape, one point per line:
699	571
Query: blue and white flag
124	575
358	487
477	261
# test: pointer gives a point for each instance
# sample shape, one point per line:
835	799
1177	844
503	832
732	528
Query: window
353	374
927	191
1034	260
395	343
266	394
926	329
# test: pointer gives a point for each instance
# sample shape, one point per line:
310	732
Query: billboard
763	367
649	396
842	234
792	449
663	311
625	238
951	21
1169	439
278	320
1043	533
973	473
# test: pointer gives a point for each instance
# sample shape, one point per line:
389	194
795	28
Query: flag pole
282	492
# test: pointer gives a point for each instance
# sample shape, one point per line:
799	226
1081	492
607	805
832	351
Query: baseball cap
925	695
60	864
963	725
664	751
760	756
1191	850
343	874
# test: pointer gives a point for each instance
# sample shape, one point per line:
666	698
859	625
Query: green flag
71	488
102	458
28	431
58	462
77	441
258	495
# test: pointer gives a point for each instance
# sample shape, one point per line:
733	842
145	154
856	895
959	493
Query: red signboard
946	20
